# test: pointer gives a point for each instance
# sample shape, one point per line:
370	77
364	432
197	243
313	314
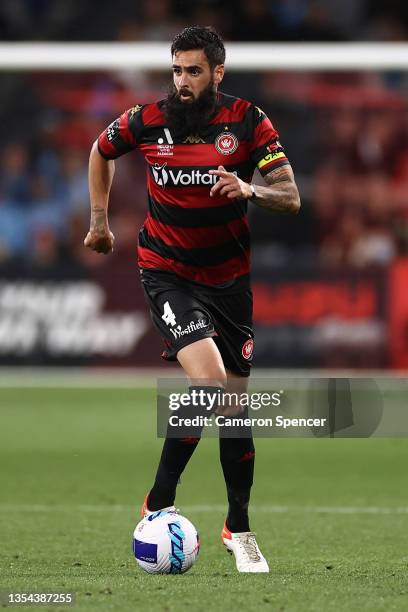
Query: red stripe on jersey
124	130
152	115
263	133
198	154
105	146
235	113
196	237
210	275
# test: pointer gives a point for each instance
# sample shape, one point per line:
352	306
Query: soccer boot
248	557
144	510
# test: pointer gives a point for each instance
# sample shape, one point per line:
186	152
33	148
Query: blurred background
329	285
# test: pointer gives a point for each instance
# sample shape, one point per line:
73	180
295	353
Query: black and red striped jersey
204	239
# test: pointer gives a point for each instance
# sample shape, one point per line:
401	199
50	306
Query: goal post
240	56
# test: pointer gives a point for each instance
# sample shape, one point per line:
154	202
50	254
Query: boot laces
248	544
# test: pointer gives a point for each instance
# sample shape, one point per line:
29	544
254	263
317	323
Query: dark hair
197	37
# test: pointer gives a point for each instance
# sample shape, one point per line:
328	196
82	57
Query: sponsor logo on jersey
112	130
191	327
165	149
248	349
194	139
272	147
226	143
160	175
177	178
135	109
271	157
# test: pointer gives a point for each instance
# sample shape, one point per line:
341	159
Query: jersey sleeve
266	151
122	135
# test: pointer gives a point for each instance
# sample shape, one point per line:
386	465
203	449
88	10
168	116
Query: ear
218	74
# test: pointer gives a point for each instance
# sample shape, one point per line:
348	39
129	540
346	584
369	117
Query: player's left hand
230	185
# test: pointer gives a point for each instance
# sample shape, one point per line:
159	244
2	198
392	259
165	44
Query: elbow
94	151
97	159
94	148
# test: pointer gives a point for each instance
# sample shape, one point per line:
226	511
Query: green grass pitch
331	515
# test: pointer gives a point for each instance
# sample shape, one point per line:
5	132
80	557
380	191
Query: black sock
175	455
237	459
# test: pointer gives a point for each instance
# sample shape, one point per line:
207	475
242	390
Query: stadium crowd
345	134
349	155
284	20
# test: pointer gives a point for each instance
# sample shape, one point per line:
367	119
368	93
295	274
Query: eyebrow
194	67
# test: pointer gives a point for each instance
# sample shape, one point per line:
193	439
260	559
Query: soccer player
201	148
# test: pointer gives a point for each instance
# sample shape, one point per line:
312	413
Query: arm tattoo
280	194
98	219
100	180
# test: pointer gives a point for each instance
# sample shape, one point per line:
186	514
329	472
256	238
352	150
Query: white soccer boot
248	557
144	510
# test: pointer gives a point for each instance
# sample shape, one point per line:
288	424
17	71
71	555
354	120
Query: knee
211	376
211	373
203	364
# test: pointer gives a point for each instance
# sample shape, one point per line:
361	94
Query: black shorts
184	312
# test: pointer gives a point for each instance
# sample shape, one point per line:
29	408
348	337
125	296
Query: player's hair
198	37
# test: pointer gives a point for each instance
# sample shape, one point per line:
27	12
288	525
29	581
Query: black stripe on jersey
197	217
135	122
260	152
255	115
226	100
196	257
114	137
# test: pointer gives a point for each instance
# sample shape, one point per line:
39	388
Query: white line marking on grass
69	377
209	508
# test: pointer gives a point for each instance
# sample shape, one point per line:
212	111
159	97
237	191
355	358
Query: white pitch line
210	508
69	377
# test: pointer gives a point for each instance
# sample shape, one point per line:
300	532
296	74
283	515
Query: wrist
99	213
99	216
252	192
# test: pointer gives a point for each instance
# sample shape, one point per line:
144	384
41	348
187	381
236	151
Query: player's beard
185	118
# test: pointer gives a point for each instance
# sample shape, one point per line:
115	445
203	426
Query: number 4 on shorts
168	315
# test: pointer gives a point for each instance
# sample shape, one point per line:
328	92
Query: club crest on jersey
226	143
248	349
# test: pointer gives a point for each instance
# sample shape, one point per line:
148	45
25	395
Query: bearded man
201	147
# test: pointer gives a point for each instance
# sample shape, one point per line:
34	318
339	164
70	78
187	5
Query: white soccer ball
165	543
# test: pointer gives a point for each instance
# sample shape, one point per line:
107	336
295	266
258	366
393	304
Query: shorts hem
171	355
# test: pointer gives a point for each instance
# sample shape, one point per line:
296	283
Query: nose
183	80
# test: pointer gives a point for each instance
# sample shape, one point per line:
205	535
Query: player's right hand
100	241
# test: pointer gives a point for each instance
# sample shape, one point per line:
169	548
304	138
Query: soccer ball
165	543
